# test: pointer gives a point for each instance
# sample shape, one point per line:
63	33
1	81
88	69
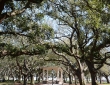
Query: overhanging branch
13	33
13	13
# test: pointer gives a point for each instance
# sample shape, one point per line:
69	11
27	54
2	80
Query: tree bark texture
32	79
92	72
25	80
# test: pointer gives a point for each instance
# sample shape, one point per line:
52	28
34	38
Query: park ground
11	83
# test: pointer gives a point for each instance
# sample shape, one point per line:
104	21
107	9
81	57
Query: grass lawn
13	83
7	83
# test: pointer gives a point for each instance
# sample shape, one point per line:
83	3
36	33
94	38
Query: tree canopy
82	31
8	8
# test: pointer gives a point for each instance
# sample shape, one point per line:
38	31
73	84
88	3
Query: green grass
6	83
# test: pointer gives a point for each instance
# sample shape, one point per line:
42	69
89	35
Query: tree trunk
13	78
22	77
80	75
107	78
82	80
64	77
100	78
36	77
25	80
80	72
19	76
93	77
92	72
75	80
32	79
39	79
3	79
70	82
